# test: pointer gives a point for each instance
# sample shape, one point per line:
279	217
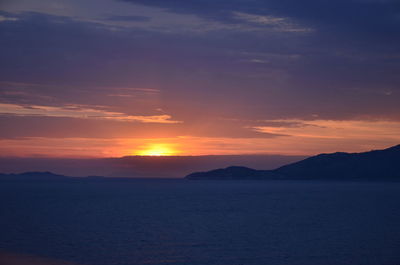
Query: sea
204	222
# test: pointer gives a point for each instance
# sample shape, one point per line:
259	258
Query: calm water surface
106	222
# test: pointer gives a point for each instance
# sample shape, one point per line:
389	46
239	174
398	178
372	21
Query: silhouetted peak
394	148
377	164
337	154
238	168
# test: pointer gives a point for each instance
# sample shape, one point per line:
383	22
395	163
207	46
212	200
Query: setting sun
157	150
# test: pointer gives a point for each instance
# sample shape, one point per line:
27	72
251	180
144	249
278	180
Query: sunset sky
111	78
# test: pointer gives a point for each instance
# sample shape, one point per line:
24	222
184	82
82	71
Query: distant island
32	176
40	176
377	164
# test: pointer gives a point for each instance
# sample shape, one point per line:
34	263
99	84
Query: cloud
245	75
5	18
340	14
281	24
117	147
202	63
129	18
335	129
17	126
80	112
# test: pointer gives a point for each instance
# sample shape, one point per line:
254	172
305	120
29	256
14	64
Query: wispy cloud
81	112
117	147
129	18
282	24
334	129
4	18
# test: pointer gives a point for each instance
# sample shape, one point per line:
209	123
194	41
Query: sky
112	78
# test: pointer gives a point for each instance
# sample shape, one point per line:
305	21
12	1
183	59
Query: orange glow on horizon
289	137
157	150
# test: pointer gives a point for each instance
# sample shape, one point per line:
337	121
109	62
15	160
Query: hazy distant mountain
42	176
235	172
379	164
141	166
32	176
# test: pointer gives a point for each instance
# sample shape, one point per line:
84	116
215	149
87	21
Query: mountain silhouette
33	176
378	164
235	172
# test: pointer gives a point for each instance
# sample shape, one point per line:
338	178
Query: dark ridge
234	172
377	164
41	176
33	176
